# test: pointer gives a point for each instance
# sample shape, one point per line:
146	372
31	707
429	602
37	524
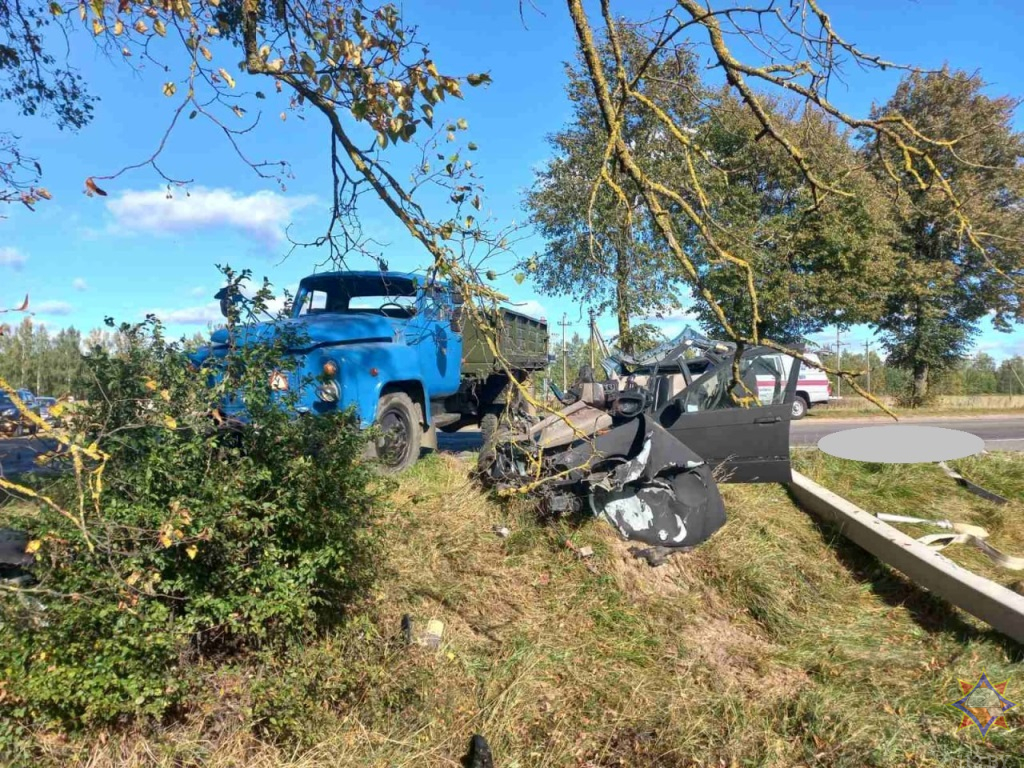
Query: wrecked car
646	448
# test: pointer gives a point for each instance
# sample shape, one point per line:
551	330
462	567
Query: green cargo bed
521	340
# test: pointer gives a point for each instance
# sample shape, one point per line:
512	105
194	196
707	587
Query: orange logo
984	703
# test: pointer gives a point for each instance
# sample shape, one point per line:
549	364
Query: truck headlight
329	392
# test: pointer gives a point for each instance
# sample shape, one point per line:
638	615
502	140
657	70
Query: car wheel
800	407
397	445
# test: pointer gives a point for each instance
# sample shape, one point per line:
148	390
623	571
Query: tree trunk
621	304
920	390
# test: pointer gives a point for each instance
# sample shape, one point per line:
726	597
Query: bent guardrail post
994	604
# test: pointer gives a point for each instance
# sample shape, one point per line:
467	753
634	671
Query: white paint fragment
682	530
639	463
631	511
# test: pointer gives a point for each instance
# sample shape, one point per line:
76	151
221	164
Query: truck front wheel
397	445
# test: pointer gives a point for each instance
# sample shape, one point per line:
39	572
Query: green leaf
462	123
519	277
471	147
480	79
308	65
491	275
160	28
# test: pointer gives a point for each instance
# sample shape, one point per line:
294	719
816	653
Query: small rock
502	532
586	552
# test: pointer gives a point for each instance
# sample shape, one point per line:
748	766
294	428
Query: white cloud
197	315
199	290
262	216
79	284
12	257
202	314
531	308
52	308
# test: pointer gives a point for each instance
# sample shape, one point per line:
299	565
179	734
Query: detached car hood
317	330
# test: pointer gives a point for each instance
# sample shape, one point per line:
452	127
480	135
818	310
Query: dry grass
944	405
775	644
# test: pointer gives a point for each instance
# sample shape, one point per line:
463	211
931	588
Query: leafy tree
814	264
955	266
1010	376
602	249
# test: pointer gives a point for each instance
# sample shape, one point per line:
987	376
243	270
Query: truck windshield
357	294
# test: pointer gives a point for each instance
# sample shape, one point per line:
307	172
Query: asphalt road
1000	433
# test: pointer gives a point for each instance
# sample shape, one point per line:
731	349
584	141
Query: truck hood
319	330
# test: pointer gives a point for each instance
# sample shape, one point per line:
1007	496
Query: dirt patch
739	658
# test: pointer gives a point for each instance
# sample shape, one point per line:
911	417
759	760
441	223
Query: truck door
745	444
438	345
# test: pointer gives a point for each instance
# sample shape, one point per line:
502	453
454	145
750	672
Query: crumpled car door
745	444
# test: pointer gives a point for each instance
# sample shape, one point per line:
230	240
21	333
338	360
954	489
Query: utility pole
593	340
867	361
839	366
565	375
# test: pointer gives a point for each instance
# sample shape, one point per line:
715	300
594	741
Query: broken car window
762	377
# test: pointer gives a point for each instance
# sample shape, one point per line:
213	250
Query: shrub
170	541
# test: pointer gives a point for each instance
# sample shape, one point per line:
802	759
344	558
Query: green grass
924	491
777	643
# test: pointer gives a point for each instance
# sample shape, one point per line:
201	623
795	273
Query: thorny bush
193	544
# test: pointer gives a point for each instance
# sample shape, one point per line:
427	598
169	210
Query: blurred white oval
901	444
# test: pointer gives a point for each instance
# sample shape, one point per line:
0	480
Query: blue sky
132	252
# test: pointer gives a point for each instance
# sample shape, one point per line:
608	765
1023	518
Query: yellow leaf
192	550
169	89
118	27
206	52
165	539
55	9
170	422
163	394
132	578
140	27
97	27
57	410
151	385
227	77
159	27
33	546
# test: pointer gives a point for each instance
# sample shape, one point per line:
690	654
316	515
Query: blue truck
400	349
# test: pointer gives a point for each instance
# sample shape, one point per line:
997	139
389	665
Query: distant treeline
50	364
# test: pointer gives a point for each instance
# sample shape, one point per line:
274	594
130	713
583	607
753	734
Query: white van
812	386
